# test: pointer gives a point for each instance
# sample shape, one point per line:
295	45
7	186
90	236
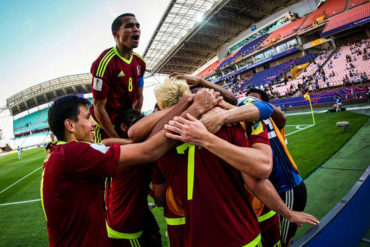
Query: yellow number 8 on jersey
130	85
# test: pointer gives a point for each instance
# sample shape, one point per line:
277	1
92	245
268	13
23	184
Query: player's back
127	204
218	211
283	175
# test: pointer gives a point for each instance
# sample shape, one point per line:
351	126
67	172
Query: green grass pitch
24	224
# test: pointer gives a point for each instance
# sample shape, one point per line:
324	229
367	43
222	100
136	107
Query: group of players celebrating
222	173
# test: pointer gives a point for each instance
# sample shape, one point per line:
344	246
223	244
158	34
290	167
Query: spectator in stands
330	65
348	66
364	78
346	81
323	75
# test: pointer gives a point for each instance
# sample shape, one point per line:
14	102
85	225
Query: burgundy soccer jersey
127	202
117	80
219	213
71	193
170	168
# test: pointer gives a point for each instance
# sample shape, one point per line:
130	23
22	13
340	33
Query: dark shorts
295	199
269	226
176	235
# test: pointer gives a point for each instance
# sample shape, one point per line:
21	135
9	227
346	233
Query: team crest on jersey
121	74
138	70
257	128
98	84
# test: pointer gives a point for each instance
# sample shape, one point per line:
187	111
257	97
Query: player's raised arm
142	128
193	80
248	160
156	146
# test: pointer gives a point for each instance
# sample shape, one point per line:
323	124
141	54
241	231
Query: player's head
125	119
69	119
259	94
170	92
126	31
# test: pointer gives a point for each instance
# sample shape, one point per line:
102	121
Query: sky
42	40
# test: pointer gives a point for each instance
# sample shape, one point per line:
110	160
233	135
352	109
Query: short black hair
118	21
128	117
262	93
65	107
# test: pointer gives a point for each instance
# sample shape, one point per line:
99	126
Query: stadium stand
31	122
209	70
332	7
358	92
284	32
355	3
243	52
347	19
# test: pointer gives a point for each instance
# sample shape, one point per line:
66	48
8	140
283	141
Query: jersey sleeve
236	135
257	133
101	71
92	160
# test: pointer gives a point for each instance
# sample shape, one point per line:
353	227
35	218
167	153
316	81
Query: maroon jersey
117	80
71	193
127	203
219	214
170	168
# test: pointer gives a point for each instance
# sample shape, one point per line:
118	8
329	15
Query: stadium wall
347	222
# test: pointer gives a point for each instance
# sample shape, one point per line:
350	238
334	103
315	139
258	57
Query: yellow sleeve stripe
175	221
121	235
42	193
266	216
104	62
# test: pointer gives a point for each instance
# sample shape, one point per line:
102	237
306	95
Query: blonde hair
170	92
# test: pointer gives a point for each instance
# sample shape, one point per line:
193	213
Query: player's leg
151	236
295	199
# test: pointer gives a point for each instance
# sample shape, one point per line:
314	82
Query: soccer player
215	198
72	172
285	175
117	77
19	153
198	237
129	220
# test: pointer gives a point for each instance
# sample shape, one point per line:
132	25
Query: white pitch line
22	202
299	130
19	180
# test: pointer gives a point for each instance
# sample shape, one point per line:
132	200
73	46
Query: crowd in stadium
213	153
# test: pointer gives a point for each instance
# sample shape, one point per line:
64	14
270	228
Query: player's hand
207	99
301	218
189	130
223	104
213	120
191	80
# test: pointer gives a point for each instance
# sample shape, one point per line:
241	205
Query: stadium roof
191	32
48	91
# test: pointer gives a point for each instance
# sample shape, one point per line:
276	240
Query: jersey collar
122	58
